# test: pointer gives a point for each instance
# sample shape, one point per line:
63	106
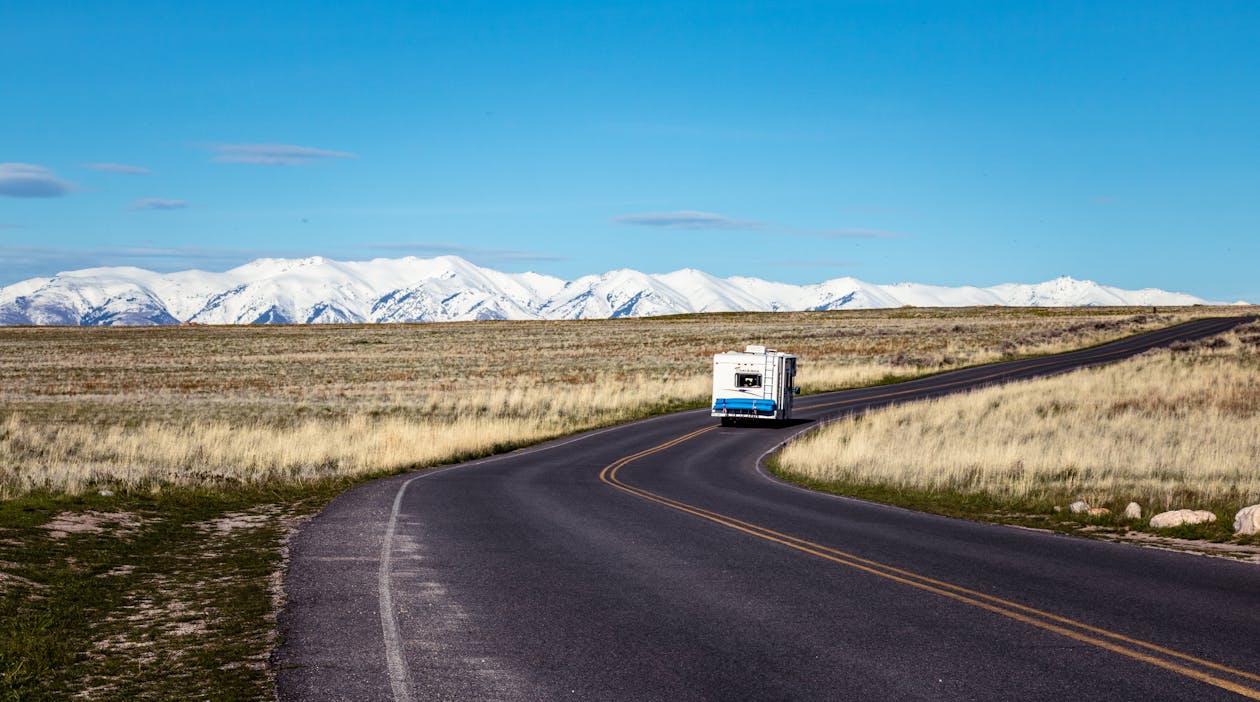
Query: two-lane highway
656	560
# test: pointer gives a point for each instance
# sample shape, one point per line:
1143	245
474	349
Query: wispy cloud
126	255
157	203
850	233
21	261
274	154
30	180
476	254
688	219
120	168
698	221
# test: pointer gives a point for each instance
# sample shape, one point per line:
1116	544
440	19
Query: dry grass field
143	408
1170	429
216	442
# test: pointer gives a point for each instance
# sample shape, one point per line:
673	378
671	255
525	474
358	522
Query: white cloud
274	154
688	219
120	168
30	180
157	203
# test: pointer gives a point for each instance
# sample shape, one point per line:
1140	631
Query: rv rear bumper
744	407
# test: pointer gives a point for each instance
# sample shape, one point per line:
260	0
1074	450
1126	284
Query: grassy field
166	596
135	409
1170	429
211	443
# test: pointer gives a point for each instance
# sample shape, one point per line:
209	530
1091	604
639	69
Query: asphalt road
657	561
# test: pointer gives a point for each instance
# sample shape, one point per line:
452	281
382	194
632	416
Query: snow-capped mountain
318	290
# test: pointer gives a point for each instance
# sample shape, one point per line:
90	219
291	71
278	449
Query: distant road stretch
657	561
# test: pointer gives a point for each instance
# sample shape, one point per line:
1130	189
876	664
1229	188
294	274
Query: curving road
657	561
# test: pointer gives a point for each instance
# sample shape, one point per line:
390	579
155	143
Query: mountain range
448	288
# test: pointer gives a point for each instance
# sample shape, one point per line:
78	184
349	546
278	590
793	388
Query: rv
754	384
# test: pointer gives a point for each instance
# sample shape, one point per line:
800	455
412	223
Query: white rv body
756	383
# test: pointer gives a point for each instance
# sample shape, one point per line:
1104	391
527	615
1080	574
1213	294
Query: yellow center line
1064	626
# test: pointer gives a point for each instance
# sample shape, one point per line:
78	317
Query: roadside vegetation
149	477
156	596
1171	429
146	408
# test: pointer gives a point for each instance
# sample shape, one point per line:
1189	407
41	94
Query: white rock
1177	517
106	493
1078	507
1133	511
1247	521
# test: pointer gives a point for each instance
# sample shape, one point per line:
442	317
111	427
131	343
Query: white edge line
399	674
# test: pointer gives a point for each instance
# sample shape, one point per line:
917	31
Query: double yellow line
1205	671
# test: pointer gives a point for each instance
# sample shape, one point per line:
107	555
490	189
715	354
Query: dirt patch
162	621
1248	553
235	521
9	579
92	522
175	618
1234	552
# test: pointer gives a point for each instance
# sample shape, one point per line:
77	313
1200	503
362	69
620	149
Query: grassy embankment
1170	429
215	441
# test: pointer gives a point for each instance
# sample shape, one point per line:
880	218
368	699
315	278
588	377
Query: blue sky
937	142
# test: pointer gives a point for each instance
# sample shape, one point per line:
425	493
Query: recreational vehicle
756	383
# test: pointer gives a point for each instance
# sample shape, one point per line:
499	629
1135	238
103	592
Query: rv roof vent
754	348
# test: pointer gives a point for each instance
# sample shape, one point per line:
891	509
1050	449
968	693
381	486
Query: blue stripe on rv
745	404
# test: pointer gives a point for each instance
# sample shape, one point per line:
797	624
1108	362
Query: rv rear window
748	380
